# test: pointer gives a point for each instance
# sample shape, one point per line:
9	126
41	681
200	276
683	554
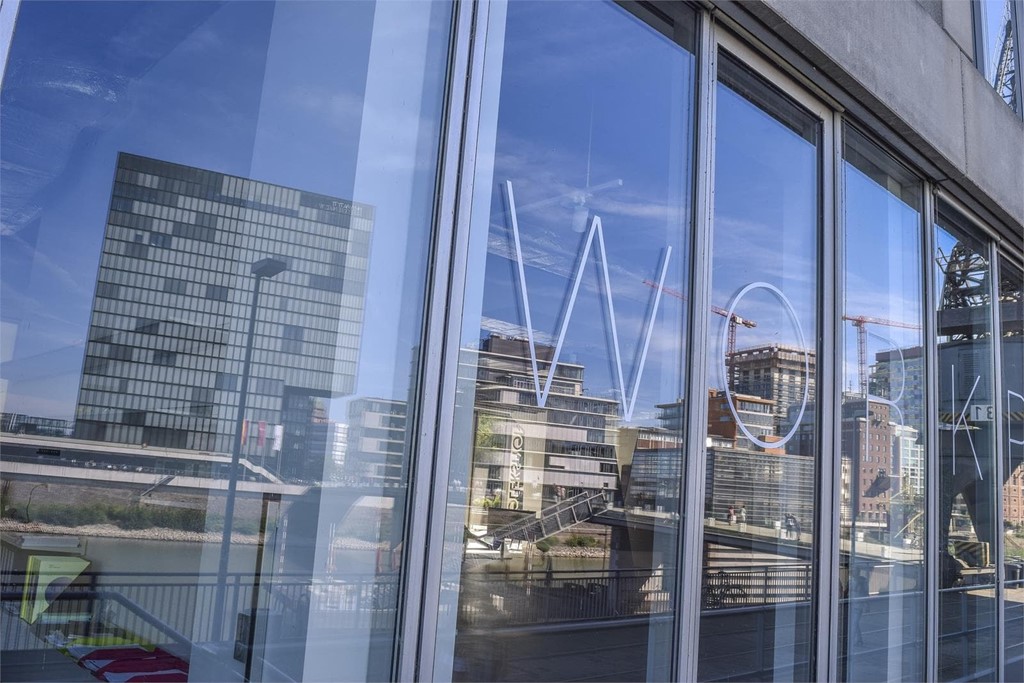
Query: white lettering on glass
1010	395
627	401
961	422
515	469
777	293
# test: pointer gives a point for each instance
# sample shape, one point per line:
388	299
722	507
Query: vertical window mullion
690	570
829	502
930	353
997	393
422	579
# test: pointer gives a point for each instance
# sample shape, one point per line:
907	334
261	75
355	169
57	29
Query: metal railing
153	605
553	519
520	598
724	587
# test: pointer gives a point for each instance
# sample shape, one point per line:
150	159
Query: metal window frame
977	228
978	40
930	357
929	325
997	400
445	313
439	354
979	222
977	22
441	340
830	382
978	37
695	407
824	603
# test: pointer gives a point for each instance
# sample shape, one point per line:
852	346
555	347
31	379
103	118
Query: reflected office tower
170	317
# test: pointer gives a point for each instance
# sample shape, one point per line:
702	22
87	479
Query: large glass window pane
216	220
996	53
969	525
882	470
562	525
1011	412
762	433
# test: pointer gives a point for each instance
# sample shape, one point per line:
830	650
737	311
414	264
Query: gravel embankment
112	531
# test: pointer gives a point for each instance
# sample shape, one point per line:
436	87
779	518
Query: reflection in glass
562	525
882	491
996	52
762	433
207	358
1011	412
969	525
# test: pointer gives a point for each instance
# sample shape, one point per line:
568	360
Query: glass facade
883	482
494	341
1011	416
968	521
568	454
762	426
216	235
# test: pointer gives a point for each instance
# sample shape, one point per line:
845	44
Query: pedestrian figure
732	515
790	525
743	514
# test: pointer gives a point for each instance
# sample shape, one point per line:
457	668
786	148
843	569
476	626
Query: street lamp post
264	268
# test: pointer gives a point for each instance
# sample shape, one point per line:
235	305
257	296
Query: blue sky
274	92
611	112
256	90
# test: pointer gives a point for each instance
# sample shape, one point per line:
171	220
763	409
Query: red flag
262	434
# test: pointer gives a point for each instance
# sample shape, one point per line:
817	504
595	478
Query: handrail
584	498
132	606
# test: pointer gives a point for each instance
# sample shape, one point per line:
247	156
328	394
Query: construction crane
861	322
965	285
1004	79
734	319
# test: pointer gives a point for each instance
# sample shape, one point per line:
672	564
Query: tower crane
734	319
861	322
1004	79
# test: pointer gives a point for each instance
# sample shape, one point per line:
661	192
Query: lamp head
268	267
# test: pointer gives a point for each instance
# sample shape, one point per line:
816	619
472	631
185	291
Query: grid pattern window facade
170	314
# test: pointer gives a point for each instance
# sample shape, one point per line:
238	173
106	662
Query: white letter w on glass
627	401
